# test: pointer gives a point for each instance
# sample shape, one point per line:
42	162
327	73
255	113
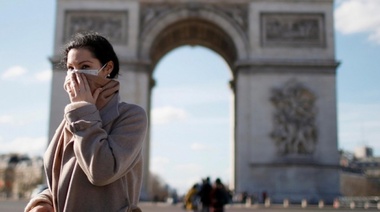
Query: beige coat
101	165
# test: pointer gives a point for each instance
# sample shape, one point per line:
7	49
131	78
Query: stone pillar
286	120
135	87
118	21
59	98
266	157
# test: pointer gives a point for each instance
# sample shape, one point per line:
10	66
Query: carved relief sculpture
294	130
295	30
113	25
238	13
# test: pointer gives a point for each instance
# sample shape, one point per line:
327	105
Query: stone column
135	88
286	131
59	98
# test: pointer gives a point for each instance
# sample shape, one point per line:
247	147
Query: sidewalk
17	206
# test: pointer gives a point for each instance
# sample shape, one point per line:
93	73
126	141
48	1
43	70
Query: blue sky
197	109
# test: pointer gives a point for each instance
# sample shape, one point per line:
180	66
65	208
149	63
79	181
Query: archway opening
194	31
191	118
192	104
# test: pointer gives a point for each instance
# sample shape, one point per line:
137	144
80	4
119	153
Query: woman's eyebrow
85	61
80	63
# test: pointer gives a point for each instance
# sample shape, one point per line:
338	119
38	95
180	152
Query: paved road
18	206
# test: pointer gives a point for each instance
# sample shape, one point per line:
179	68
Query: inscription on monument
295	30
112	25
294	131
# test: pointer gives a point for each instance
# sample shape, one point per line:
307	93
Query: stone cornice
295	164
287	63
196	1
55	60
294	1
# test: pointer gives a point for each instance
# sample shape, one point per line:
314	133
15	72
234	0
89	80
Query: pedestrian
191	198
219	196
94	161
264	196
204	194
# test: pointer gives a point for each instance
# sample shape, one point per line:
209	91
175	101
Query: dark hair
218	181
99	46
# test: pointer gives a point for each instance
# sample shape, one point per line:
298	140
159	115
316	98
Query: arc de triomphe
281	54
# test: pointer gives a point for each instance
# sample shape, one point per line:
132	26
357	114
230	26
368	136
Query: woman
94	161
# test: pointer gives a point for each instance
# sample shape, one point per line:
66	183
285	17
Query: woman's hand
76	85
42	207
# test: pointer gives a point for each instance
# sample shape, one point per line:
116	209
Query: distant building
19	175
360	173
363	152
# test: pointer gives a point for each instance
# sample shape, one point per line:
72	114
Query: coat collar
111	110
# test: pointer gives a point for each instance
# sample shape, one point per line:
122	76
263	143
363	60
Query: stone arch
193	32
231	33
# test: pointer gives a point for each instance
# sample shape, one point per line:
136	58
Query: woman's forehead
79	55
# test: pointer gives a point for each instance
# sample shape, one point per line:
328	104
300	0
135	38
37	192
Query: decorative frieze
235	13
111	24
153	10
292	30
294	129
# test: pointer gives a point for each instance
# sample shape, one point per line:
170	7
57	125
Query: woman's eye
85	67
70	68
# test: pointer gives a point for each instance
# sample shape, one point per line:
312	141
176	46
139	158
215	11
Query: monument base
310	182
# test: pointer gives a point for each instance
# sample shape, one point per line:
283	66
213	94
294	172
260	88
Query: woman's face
82	59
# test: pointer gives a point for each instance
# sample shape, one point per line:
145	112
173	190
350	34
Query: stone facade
282	58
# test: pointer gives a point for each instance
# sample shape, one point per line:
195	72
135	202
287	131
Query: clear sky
197	109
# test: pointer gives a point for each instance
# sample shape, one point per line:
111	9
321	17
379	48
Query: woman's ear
109	68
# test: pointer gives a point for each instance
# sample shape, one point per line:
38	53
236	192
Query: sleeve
43	197
106	157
